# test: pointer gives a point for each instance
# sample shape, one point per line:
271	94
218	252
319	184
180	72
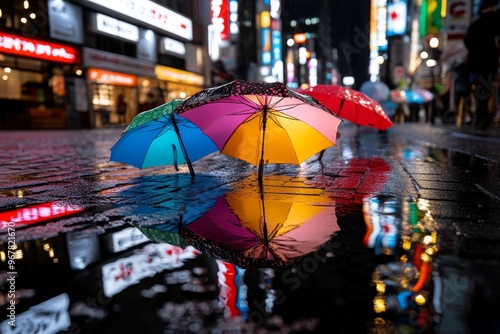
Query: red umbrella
351	105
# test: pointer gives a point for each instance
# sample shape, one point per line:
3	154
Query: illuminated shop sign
32	48
233	17
219	16
266	46
114	27
176	75
153	14
174	47
112	78
457	18
396	18
381	24
36	214
117	63
65	21
276	42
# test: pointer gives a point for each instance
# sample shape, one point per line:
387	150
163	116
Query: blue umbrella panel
165	139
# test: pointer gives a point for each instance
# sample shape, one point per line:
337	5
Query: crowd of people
469	92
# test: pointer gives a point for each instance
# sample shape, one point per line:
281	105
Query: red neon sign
36	214
32	48
219	14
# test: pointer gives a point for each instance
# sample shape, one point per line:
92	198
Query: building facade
65	63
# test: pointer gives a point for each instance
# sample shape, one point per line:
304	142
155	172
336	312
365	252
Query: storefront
174	55
178	83
106	90
111	75
33	90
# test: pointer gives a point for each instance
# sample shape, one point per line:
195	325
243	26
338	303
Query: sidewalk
441	164
451	172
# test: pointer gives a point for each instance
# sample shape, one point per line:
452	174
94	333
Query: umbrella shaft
264	124
188	161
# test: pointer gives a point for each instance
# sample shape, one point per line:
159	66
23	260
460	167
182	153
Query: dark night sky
349	30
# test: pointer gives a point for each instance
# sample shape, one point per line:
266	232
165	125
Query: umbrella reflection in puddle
403	230
253	226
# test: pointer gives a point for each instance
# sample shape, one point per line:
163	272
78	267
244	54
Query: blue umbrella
160	137
418	95
413	97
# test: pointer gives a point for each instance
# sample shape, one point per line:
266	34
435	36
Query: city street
417	209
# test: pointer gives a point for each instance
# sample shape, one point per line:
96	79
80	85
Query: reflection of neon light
146	262
51	315
37	213
228	290
127	238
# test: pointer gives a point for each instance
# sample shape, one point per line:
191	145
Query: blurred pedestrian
149	103
460	99
121	109
483	52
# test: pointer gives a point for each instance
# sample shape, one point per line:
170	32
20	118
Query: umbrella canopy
378	91
351	105
262	123
414	95
424	94
160	137
266	227
398	96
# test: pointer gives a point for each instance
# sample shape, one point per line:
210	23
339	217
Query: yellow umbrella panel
286	140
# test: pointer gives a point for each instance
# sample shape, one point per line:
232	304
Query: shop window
7	14
111	44
22	85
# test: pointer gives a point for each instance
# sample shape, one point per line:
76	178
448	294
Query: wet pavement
406	222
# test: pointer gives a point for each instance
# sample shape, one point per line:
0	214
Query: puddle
454	158
251	226
402	235
379	268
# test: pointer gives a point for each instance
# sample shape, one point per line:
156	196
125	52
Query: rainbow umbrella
262	123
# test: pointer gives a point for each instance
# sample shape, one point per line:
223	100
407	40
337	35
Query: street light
431	64
434	43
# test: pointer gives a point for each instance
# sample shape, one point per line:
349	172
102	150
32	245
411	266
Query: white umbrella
378	91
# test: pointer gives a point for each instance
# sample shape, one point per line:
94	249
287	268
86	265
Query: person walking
121	109
481	41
